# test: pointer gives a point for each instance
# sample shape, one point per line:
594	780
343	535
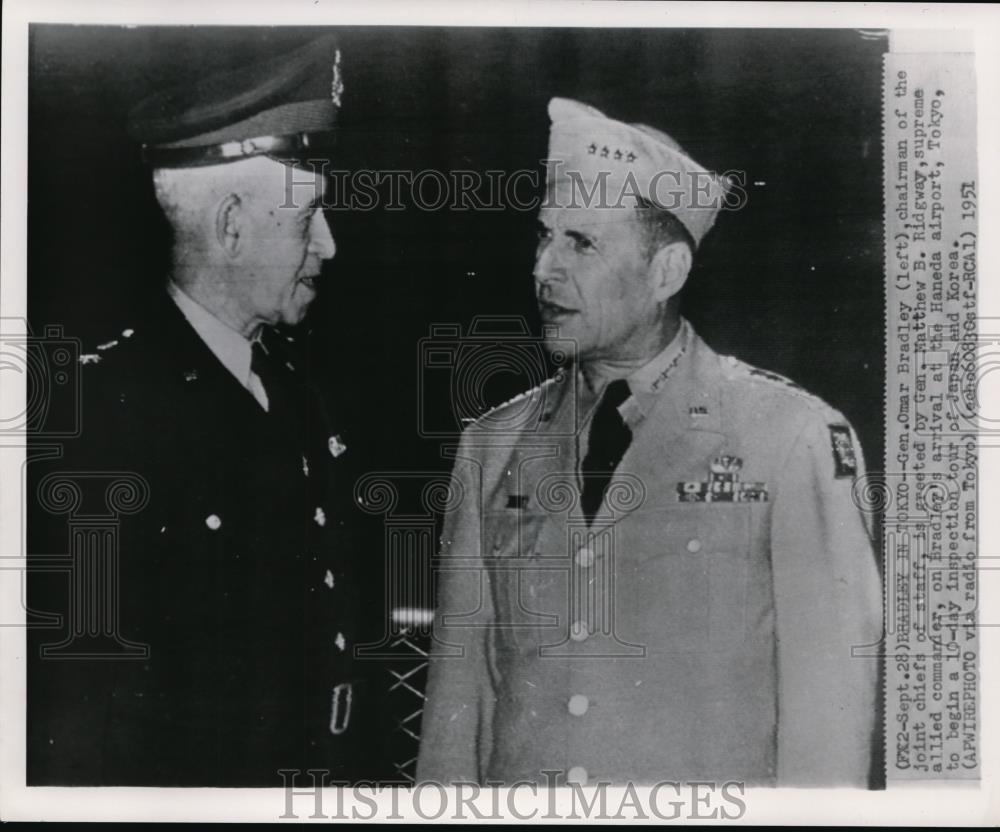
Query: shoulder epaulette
527	394
748	371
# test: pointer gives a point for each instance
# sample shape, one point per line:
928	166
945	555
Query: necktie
271	367
607	442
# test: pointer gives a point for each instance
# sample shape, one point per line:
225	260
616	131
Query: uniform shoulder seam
739	370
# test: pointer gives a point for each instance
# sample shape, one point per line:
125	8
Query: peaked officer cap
285	108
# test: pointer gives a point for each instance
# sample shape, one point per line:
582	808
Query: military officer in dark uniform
656	573
222	653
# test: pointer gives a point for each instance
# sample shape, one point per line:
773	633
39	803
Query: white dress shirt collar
226	344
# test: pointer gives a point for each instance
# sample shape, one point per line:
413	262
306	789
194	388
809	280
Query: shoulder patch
845	461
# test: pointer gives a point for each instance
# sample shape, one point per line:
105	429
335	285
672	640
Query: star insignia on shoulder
95	357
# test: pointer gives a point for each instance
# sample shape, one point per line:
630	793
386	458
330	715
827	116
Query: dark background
791	283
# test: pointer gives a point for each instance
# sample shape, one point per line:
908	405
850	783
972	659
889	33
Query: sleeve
456	728
827	596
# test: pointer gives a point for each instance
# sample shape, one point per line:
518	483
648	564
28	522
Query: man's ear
229	224
669	270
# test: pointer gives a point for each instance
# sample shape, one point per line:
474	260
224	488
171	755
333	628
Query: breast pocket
528	576
688	574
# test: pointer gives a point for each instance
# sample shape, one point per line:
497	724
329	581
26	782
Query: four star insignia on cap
618	155
629	160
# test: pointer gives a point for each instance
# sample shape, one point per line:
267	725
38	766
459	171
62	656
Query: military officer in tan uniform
656	570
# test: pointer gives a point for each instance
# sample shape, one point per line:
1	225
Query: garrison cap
623	161
285	108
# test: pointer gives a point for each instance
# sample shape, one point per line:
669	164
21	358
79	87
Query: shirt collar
226	344
648	381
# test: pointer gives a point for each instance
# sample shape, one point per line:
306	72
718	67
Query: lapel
540	470
193	369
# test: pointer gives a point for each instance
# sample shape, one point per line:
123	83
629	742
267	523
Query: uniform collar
648	382
231	348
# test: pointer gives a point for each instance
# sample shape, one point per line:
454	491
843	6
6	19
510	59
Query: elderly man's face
592	280
284	246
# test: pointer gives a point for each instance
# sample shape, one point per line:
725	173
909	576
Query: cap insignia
337	85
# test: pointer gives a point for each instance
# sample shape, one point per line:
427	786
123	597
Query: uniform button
328	579
578	631
213	521
694	545
320	517
585	557
341	642
578	775
578	704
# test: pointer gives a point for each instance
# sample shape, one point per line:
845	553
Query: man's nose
321	241
548	265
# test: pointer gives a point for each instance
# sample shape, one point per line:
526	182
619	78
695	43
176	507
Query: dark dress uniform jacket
235	573
702	628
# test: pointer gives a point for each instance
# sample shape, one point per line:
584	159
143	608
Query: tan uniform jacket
701	628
